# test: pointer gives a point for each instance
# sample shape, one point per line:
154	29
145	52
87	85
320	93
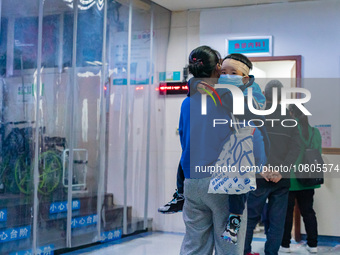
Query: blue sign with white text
44	250
84	221
59	207
111	235
251	46
13	234
3	215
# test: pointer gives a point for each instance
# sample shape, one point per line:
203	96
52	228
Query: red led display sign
173	88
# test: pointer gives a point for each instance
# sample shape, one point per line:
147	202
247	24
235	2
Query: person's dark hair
302	119
268	90
240	57
203	61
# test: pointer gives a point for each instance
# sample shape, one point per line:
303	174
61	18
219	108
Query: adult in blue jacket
205	214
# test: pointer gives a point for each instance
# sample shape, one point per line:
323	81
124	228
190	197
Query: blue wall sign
13	234
59	207
3	215
44	250
250	46
111	235
84	221
162	76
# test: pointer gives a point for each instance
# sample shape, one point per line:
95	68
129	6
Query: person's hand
202	86
275	177
265	173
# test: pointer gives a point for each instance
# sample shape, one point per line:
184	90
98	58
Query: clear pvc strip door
80	117
20	128
138	45
71	110
130	69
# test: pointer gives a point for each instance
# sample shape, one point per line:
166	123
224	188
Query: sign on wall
250	46
326	134
140	58
26	93
3	215
111	235
59	207
84	221
11	234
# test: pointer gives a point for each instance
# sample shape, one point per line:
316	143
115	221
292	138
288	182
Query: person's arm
259	100
266	140
259	150
294	150
260	155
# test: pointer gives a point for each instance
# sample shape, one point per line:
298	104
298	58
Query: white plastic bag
234	169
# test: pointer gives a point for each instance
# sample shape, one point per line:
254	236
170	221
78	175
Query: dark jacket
284	146
314	141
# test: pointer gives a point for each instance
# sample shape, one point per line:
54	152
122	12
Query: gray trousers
205	216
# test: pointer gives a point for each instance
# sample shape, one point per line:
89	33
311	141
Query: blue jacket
201	142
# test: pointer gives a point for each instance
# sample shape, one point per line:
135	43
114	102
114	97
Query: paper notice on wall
140	58
25	94
326	135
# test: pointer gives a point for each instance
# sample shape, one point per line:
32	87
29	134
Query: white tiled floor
169	243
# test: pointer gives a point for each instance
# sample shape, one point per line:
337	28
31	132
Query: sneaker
257	229
261	226
312	249
253	253
233	225
285	249
174	206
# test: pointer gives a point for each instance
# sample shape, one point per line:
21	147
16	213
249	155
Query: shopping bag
234	170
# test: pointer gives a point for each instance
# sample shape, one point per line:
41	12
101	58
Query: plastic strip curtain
148	137
89	126
73	100
127	113
136	112
37	114
20	124
102	143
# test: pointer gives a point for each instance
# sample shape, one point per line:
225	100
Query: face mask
235	80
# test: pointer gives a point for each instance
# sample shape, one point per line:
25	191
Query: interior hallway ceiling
181	5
